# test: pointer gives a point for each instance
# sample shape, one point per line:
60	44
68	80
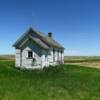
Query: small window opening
53	54
30	54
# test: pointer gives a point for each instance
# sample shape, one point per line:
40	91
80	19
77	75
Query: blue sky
74	23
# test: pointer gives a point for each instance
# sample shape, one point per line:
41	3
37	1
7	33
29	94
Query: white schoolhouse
37	50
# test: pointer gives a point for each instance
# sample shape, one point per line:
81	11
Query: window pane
30	54
53	54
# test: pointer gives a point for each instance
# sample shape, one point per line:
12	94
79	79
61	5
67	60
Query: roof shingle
43	40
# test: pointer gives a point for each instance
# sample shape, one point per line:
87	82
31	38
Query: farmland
86	61
7	57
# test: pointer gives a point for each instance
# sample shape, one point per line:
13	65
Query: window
53	54
30	54
58	55
61	51
61	55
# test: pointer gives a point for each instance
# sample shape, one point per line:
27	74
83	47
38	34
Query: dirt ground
88	64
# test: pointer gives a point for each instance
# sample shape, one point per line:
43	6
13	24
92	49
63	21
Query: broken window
30	54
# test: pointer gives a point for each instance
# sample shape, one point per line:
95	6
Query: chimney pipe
50	34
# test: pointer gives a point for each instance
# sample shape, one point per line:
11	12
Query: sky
74	23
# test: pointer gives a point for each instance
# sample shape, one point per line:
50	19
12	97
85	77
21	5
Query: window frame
53	55
30	54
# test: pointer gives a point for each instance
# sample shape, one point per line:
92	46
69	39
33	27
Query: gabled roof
43	40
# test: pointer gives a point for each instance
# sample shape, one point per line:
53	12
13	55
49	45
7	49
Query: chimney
50	34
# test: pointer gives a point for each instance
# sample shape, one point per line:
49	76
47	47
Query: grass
64	82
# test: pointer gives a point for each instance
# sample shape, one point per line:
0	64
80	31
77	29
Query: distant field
88	61
63	82
74	59
7	57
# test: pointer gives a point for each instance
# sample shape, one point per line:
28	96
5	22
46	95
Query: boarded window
61	54
58	55
53	54
30	54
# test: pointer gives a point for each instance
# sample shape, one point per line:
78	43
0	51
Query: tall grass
63	82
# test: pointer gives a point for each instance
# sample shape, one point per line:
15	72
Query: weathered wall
17	56
43	57
27	62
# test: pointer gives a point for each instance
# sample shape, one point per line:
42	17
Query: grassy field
63	82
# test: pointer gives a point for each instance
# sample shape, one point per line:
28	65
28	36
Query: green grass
66	82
